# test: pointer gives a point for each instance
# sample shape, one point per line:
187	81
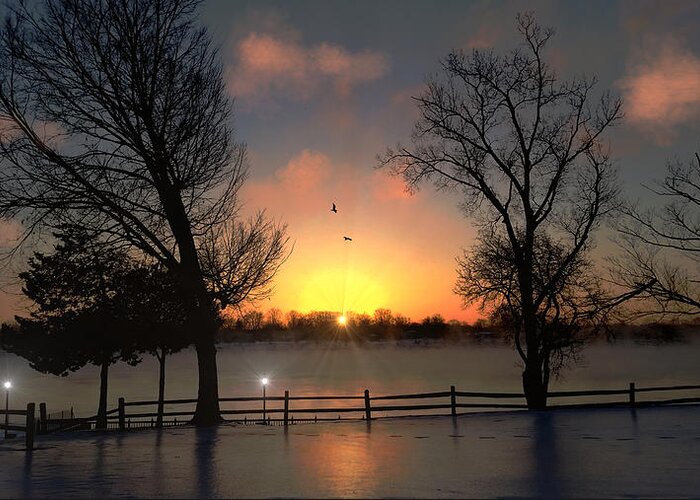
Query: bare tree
274	318
575	299
143	154
240	259
525	151
661	247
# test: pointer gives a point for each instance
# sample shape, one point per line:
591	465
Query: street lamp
8	386
264	382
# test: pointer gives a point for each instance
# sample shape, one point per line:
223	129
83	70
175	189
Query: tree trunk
102	409
192	281
207	411
161	389
534	385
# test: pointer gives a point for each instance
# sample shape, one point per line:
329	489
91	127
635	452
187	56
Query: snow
648	452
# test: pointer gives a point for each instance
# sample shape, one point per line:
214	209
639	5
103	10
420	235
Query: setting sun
342	320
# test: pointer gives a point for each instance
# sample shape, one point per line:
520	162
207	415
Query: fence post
31	426
368	409
286	408
453	400
42	418
122	415
632	402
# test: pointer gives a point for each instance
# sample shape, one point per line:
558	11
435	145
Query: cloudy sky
322	87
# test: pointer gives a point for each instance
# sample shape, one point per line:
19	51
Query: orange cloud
270	65
663	90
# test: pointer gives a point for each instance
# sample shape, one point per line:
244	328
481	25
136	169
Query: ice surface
650	452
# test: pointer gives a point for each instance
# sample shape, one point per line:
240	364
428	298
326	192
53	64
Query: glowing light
264	381
340	288
342	320
8	385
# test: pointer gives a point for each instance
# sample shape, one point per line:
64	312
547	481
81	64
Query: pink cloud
263	60
663	90
305	171
486	37
305	185
8	129
10	232
387	187
405	97
51	132
267	64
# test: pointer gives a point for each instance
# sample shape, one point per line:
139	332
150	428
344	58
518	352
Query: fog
348	369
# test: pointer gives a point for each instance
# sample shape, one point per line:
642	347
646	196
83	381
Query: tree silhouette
661	247
143	154
574	299
95	305
80	315
273	319
156	317
239	259
525	150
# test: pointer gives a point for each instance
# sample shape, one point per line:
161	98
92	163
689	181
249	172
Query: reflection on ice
582	453
545	462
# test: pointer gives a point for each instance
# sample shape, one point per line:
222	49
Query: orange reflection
348	464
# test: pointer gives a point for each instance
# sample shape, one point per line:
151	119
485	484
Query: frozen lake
605	453
349	369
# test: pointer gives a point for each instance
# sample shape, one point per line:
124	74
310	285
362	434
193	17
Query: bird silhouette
346	238
334	209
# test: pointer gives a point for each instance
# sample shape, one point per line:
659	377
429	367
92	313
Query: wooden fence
290	410
29	427
286	410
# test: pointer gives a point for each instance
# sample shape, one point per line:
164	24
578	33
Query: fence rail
136	414
389	405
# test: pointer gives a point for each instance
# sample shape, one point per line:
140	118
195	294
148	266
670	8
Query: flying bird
346	238
334	209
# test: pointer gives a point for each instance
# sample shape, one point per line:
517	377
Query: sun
342	320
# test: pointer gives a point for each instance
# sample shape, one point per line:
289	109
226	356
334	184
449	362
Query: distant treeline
383	325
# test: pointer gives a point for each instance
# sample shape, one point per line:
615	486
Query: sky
322	87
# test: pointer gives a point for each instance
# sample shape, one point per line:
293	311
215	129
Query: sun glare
340	289
342	320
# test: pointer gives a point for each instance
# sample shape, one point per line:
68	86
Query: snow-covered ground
650	452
